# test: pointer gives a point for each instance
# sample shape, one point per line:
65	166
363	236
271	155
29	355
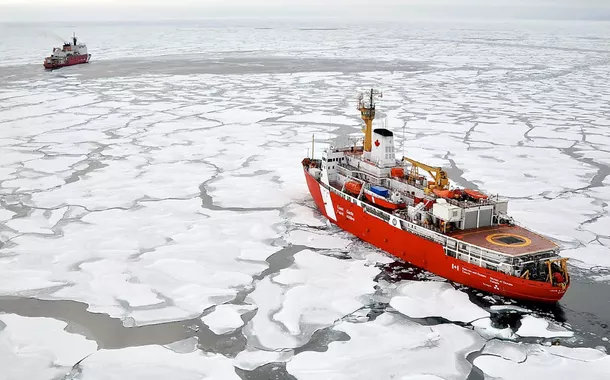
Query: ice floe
250	359
302	215
312	294
5	215
538	327
161	250
575	209
485	329
155	362
39	221
391	347
226	318
591	255
39	348
508	361
421	299
317	239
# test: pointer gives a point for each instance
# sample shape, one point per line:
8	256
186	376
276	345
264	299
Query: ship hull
383	203
69	61
424	253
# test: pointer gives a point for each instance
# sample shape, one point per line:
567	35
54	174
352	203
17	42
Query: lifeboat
353	187
397	172
380	196
443	193
474	194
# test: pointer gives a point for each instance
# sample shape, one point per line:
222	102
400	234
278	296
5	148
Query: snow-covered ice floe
313	293
226	318
162	250
421	299
155	362
538	327
510	361
39	348
391	347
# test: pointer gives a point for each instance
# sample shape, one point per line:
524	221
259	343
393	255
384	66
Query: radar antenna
366	105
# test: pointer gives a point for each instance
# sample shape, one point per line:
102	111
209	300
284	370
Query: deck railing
461	250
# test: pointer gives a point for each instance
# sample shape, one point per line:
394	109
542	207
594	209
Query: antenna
367	112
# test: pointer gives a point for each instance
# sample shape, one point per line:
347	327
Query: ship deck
509	240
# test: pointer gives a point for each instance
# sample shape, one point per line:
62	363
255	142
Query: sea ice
312	294
320	118
516	352
307	216
600	226
537	327
266	190
226	318
53	164
319	240
29	184
514	176
316	280
160	251
241	116
39	221
505	360
155	362
390	347
421	299
250	359
590	255
484	328
575	209
5	215
39	348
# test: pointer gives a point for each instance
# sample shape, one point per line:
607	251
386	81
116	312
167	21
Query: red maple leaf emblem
376	142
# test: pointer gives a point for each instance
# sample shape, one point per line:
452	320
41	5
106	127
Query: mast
74	38
367	112
312	145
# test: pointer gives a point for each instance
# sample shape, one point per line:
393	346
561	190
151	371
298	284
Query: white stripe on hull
328	203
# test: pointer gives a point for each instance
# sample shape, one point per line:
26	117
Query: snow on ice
155	362
39	348
226	318
312	294
507	361
391	347
421	299
105	185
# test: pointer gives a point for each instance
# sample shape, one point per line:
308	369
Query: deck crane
440	176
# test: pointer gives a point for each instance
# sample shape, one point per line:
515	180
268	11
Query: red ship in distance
69	54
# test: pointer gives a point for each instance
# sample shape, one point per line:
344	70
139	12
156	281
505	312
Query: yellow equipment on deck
438	174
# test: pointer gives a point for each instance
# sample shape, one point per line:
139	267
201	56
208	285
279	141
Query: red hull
383	203
425	253
70	61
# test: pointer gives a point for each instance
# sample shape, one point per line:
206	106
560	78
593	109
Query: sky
111	10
